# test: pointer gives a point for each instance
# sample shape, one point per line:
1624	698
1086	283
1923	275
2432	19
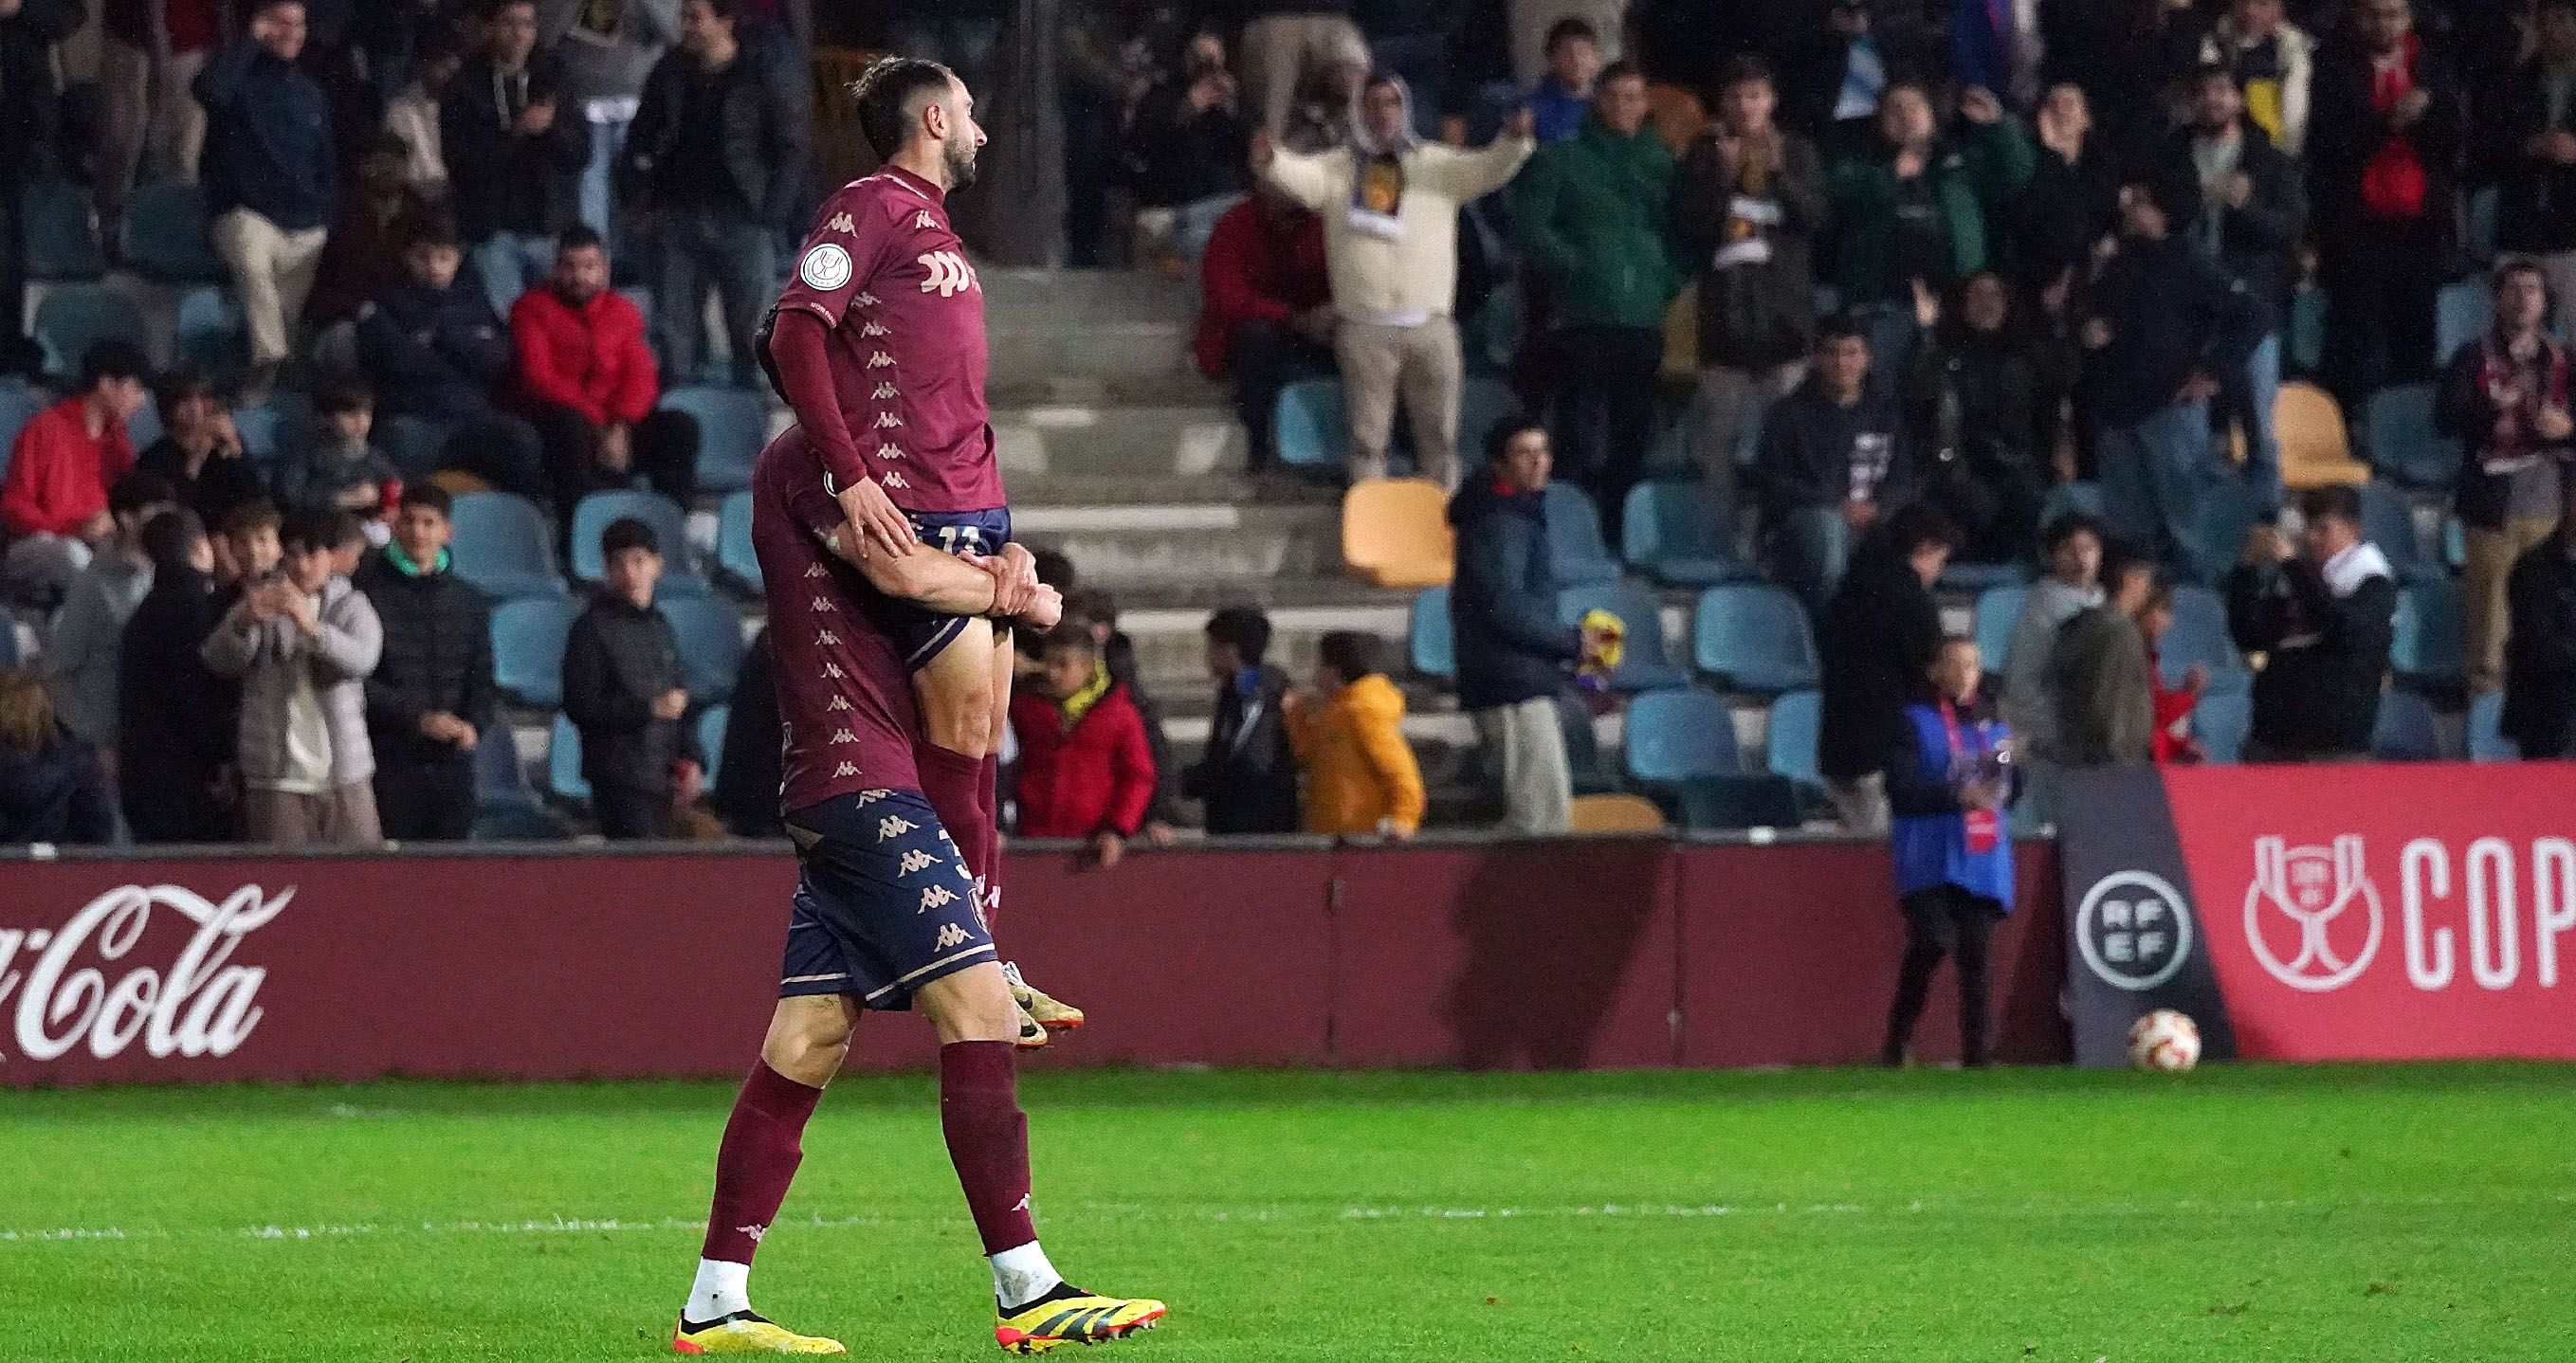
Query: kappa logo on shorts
842	702
844	736
914	860
825	268
937	897
950	935
891	452
841	223
816	570
833	671
894	826
950	275
868	797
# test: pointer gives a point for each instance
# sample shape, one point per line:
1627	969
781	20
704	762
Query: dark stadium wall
1582	954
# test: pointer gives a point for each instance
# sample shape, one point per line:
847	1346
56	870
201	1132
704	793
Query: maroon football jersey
844	697
885	273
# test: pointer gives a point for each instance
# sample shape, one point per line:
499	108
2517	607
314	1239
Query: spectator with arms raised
588	378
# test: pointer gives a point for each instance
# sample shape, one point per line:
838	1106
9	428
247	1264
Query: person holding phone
1949	781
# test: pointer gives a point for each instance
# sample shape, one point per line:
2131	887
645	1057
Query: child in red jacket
1086	770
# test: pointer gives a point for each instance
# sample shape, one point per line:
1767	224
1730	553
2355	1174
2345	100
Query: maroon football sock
948	780
757	1161
988	1138
989	786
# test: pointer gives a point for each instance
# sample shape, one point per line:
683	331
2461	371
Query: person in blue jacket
1948	782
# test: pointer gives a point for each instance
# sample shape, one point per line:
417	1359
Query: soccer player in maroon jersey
885	912
878	345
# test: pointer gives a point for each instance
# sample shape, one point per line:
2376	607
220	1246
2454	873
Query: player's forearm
800	345
922	575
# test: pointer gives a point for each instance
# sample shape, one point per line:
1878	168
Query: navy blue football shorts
920	633
884	904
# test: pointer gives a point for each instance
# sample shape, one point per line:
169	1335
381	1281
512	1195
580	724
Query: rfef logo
2133	929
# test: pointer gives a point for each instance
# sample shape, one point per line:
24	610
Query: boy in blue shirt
1947	785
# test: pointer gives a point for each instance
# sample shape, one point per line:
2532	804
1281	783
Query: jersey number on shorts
954	538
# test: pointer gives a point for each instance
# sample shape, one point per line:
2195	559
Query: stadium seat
2228	514
506	807
1594	774
1614	813
1312	426
2407	729
2069	498
210	336
2316	450
1679	735
733	423
61	234
2427	649
2487	742
1740	800
414	443
711	737
563	763
1427	635
1998	610
1754	638
2199	636
2388	522
165	236
19	405
1978	578
271	429
2222	721
642	298
711	645
74	317
1790	748
1671	533
1646	664
528	648
1395	532
2484	201
504	548
599	510
1574	541
735	556
2402	441
2461	312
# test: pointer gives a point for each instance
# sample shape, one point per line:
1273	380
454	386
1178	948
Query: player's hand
1015	579
1045	609
880	523
671	704
1109	848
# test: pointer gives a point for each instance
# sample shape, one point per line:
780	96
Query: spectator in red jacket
1268	316
1085	768
2172	740
589	385
53	502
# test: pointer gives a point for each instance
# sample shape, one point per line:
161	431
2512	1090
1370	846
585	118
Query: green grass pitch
2358	1214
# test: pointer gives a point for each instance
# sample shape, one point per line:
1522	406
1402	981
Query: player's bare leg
1042	1008
763	1143
988	1141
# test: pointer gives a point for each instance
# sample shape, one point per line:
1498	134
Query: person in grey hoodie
607	50
303	644
2072	549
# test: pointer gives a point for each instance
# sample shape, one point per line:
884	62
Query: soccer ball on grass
2164	1040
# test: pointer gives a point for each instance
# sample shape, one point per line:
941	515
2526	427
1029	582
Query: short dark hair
580	236
1055	568
1245	628
492	9
316	530
1920	525
178	387
2121	558
626	532
1744	68
170	539
347	393
1068	634
264	6
2065	528
1571	29
1840	326
2206	72
112	359
1351	653
2513	265
140	490
260	514
430	228
1621	69
2334	499
1500	438
1090	606
886	93
428	494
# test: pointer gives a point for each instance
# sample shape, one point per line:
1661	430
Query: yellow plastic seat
1395	532
1617	814
2316	450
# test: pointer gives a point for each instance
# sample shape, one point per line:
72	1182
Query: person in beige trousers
2506	397
1390	205
271	187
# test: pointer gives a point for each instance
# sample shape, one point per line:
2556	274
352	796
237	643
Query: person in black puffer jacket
1879	634
2325	616
176	720
621	689
432	349
52	788
747	775
431	697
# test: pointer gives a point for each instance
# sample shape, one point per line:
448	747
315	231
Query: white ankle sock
1023	1275
721	1289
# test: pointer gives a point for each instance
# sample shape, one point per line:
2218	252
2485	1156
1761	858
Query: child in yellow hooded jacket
1361	776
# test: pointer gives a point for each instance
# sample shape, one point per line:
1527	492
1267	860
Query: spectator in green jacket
1592	215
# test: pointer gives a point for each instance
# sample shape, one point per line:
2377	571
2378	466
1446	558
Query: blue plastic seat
1574	541
642	298
1670	532
504	547
263	430
61	235
1998	610
528	648
2487	742
165	235
1646	664
711	738
415	443
1679	735
19	405
2427	647
75	317
1428	638
2461	312
2402	441
1312	425
2228	513
2406	730
2068	499
599	510
210	337
1755	638
2222	721
735	556
2387	522
733	423
563	763
506	807
711	645
2199	636
1796	719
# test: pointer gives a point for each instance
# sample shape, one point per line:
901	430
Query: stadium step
1074	299
1109	439
1115	546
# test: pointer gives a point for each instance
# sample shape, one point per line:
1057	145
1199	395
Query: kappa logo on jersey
894	826
923	219
824	603
950	935
887	421
949	273
914	860
825	268
824	638
842	702
873	329
846	769
891	452
893	479
885	391
841	223
869	797
939	897
879	360
833	671
844	736
865	300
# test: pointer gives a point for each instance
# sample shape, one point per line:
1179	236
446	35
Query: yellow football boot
1047	1012
1032	1037
1071	1315
744	1332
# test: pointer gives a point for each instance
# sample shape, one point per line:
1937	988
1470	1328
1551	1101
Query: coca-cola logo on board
71	987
